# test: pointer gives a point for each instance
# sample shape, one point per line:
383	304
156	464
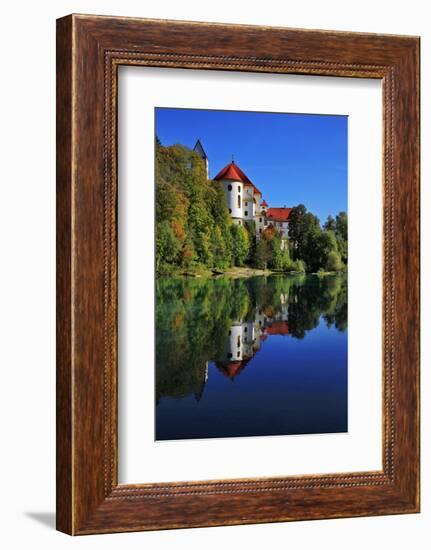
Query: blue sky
291	158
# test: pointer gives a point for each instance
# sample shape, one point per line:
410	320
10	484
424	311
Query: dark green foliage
318	296
334	262
341	235
341	225
263	254
329	225
320	249
304	228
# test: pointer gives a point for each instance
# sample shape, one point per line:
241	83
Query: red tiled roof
278	327
278	214
232	368
233	172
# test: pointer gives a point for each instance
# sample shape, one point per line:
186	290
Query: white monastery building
244	200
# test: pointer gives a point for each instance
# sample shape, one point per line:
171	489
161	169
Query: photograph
251	246
211	275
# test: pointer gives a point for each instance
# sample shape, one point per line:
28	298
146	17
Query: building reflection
221	324
246	337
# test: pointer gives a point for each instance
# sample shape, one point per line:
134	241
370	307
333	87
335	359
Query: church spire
198	148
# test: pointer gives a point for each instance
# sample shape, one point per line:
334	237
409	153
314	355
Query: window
238	341
260	230
229	187
229	355
238	354
230	210
246	212
239	189
239	201
245	329
260	220
246	203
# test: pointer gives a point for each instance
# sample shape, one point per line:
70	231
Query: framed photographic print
237	274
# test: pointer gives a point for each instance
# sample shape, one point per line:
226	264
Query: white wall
236	189
27	126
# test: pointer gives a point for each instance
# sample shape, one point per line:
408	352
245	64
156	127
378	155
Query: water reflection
214	329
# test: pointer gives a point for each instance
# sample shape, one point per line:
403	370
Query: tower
201	152
243	198
233	181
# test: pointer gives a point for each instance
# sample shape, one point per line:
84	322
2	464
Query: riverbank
240	272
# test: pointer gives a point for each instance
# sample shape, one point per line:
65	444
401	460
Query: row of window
229	188
230	332
245	213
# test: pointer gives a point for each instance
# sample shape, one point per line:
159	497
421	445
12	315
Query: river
251	357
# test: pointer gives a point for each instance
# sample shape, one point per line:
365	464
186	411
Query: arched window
230	210
229	187
239	201
246	212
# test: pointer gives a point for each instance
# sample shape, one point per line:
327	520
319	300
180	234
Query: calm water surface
248	357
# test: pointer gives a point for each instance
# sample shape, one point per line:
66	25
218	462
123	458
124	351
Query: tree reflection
228	320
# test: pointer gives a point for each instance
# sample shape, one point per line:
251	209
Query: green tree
330	224
167	245
191	213
324	242
341	233
341	225
240	244
263	254
304	227
218	248
333	262
276	254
